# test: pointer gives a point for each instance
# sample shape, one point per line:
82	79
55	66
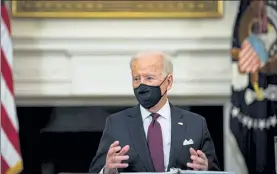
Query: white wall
64	59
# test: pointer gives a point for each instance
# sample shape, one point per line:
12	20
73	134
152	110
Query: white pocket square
187	142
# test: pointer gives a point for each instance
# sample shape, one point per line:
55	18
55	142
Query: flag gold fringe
16	169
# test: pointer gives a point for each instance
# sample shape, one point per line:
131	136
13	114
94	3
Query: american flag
248	61
253	55
11	160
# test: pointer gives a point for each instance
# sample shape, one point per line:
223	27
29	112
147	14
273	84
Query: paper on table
203	172
176	171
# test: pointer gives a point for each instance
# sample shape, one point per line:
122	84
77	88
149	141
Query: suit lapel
178	130
136	130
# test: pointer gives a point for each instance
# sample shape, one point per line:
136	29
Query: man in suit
154	136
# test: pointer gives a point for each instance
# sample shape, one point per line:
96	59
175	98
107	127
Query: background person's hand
115	156
199	160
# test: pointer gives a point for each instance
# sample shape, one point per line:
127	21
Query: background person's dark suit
127	128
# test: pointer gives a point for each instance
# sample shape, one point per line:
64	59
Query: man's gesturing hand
199	160
116	155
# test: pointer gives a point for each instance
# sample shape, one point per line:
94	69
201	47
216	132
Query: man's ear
170	81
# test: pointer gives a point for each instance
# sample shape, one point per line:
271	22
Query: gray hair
167	63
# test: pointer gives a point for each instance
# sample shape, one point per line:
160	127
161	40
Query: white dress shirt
165	122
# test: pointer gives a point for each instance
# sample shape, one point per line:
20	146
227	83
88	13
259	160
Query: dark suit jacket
127	127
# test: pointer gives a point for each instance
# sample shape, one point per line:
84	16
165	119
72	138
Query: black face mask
148	96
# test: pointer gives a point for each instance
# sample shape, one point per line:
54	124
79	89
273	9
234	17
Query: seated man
154	135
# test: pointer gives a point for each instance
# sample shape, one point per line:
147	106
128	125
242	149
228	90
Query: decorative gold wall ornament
117	9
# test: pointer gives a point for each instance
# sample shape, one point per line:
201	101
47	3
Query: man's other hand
199	160
115	156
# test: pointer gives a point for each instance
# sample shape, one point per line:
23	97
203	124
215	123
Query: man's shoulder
122	114
190	116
